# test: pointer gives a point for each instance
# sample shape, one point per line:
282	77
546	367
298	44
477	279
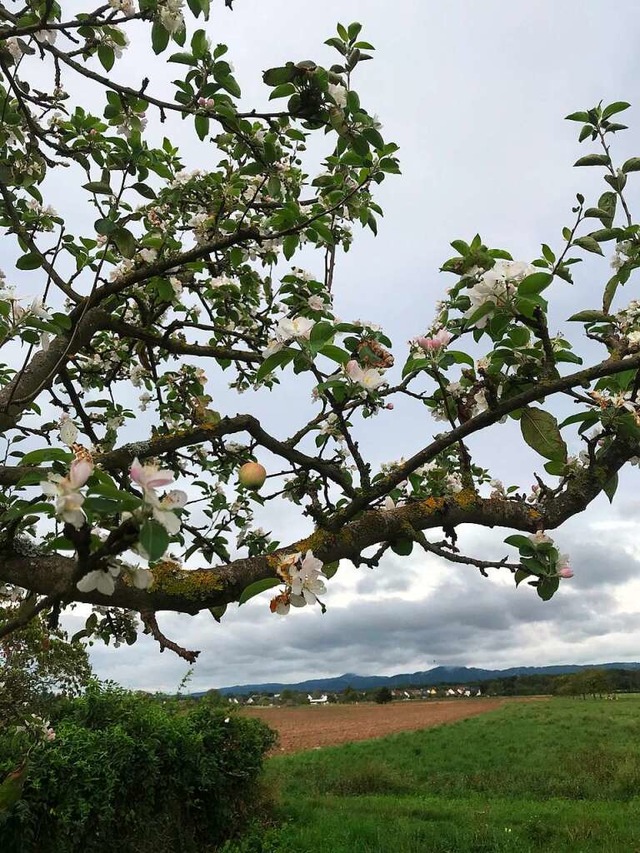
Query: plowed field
310	727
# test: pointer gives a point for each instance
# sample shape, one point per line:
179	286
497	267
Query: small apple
252	475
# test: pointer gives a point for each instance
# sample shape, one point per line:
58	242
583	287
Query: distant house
321	701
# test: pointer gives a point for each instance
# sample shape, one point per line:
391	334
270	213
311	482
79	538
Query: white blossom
298	328
369	379
45	36
170	15
338	93
148	255
66	491
124	6
496	287
13	46
101	580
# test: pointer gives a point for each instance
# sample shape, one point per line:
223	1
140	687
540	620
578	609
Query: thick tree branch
190	591
121	458
42	368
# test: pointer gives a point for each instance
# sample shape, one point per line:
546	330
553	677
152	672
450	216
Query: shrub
131	773
383	695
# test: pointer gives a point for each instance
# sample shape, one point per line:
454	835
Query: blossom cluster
560	562
496	287
302	582
151	477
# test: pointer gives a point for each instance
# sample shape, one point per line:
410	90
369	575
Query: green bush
134	773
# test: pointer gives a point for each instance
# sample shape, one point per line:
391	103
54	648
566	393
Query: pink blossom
369	379
563	569
65	490
79	473
149	476
437	342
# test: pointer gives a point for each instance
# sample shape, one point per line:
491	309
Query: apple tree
134	285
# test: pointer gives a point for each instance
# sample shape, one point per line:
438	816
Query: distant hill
437	675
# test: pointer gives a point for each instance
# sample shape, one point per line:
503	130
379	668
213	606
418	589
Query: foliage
162	282
555	775
383	695
129	772
37	663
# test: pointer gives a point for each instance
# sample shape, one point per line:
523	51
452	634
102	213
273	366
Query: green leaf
218	612
610	487
183	58
329	569
631	165
616	107
98	187
580	417
125	241
519	541
125	500
547	587
256	588
144	190
229	83
104	226
277	76
534	283
608	202
159	37
521	575
199	44
321	334
610	292
605	234
460	357
483	310
289	245
540	431
590	317
101	505
282	91
154	539
580	116
47	454
555	468
335	353
278	359
588	244
30	261
202	126
586	131
402	547
593	160
106	56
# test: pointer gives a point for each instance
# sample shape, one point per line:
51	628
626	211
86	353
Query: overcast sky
475	94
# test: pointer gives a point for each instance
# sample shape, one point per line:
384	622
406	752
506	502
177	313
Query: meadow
552	775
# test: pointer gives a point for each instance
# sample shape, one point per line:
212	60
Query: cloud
462	619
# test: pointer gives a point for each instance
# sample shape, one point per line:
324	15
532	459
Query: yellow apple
252	475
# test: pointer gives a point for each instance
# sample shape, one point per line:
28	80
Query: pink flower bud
437	342
565	572
389	406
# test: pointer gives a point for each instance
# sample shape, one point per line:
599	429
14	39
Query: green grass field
556	775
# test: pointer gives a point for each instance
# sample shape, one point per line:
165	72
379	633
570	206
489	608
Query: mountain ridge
436	675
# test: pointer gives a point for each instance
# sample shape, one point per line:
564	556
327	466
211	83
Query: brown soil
311	727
